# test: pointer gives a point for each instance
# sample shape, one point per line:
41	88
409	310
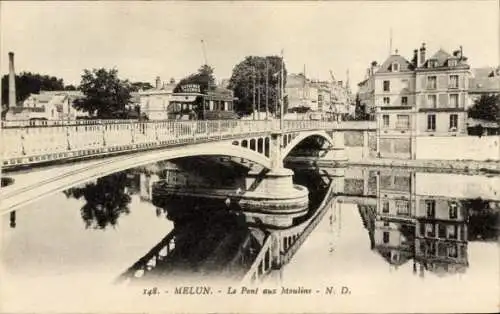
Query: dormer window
432	63
395	67
452	62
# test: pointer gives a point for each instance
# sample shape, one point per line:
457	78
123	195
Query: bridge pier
271	198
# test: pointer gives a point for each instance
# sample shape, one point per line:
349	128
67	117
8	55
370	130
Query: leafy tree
254	68
106	95
136	86
360	110
487	107
30	83
105	201
70	87
204	77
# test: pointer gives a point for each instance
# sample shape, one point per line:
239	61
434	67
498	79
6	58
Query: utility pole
253	101
267	88
282	96
204	51
258	98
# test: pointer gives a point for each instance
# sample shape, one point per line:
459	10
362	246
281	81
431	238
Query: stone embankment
445	165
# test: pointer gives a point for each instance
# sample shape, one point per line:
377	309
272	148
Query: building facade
48	105
441	90
153	103
421	97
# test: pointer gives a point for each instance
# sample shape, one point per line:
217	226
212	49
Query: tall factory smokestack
12	81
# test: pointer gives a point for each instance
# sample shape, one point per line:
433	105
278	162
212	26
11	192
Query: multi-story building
154	102
441	91
365	97
48	105
342	101
301	92
424	97
394	97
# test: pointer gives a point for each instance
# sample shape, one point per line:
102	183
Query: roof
485	80
486	124
441	57
404	65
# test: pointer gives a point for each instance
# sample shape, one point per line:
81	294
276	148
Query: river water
375	244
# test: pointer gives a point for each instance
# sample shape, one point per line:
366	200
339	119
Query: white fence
458	148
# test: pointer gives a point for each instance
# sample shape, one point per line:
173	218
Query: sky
148	39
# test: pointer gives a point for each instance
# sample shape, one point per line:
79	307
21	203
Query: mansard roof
404	65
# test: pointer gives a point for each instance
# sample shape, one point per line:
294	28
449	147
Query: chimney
415	58
12	81
158	82
341	83
422	55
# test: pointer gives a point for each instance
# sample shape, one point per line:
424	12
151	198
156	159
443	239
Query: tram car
190	103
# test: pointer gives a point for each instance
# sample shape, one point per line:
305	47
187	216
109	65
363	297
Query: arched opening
266	147
260	145
252	144
244	143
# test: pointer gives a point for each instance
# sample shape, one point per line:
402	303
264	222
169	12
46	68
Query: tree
70	87
106	96
242	83
137	86
204	77
360	110
487	107
105	201
30	83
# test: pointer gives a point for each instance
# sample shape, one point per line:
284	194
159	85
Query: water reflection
409	223
106	199
212	238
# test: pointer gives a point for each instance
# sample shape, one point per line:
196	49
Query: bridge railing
29	145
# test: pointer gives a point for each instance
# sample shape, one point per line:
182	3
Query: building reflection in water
432	231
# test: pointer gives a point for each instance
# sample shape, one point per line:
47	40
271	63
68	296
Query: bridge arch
302	136
38	183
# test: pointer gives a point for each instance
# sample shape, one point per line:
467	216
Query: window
431	101
452	62
387	86
453	81
395	67
453	232
431	122
387	101
386	237
430	206
430	230
441	231
403	122
385	119
402	207
454	100
453	121
421	229
385	207
432	63
431	82
386	224
453	210
405	83
452	251
404	101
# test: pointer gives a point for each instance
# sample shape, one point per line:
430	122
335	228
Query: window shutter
442	82
442	101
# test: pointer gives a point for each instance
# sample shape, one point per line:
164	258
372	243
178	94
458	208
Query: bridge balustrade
26	143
